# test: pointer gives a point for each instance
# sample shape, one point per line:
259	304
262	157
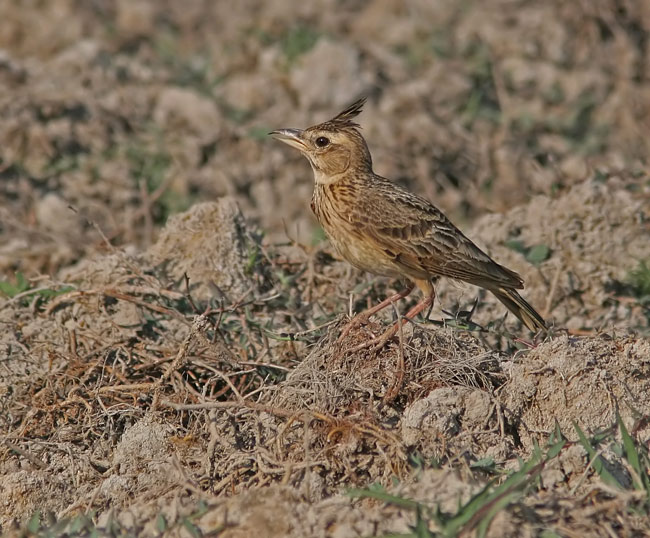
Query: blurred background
117	113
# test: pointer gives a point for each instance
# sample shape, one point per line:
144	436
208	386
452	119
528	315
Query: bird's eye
322	141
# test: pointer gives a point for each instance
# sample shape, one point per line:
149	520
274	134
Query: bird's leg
380	341
362	317
429	290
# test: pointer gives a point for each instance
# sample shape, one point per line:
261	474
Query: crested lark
382	228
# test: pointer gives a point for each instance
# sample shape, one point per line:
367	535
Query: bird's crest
345	118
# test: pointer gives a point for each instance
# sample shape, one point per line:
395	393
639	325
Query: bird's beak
293	137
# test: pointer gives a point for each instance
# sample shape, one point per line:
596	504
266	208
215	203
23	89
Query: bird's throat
323	178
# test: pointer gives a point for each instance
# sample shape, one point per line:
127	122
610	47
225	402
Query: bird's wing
423	241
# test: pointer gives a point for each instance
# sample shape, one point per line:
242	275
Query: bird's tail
520	308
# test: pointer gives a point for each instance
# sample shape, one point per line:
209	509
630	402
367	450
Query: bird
382	228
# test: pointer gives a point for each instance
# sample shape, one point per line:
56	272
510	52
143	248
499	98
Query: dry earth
169	316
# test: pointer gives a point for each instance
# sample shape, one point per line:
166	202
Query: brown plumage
382	228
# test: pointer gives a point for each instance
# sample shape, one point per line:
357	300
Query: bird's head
334	148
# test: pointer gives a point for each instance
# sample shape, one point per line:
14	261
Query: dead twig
200	324
28	456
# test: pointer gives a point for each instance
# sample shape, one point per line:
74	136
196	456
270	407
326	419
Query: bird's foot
356	321
377	343
363	317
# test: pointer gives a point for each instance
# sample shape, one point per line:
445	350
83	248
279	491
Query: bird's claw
356	321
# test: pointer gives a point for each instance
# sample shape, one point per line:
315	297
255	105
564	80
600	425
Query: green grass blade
34	523
584	441
555	449
637	458
631	454
597	462
421	525
466	512
500	504
484	501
